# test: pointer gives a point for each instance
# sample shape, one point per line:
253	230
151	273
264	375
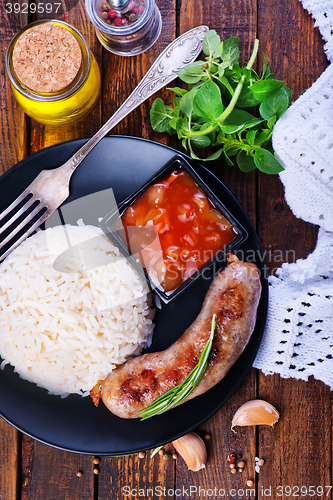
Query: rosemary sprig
177	394
154	452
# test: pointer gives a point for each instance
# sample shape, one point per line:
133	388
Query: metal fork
51	187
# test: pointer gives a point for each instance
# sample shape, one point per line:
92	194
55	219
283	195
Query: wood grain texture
241	442
298	450
13	146
228	18
120	77
49	473
134	477
291	450
122	74
9	461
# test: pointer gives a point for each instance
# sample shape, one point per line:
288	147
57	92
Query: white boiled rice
67	319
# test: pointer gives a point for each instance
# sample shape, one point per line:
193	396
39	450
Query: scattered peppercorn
161	452
79	473
96	471
261	462
120	18
240	469
207	436
142	454
249	483
96	460
241	464
232	466
174	456
233	471
231	458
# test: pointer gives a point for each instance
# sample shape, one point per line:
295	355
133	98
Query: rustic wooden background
298	451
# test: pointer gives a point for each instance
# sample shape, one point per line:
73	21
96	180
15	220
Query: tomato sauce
190	229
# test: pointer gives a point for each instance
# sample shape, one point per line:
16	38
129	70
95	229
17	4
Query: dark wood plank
53	474
122	74
120	77
134	477
13	148
9	461
241	441
297	447
13	128
48	472
237	18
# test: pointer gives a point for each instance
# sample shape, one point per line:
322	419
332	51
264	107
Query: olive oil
67	105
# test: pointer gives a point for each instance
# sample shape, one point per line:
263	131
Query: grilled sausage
233	296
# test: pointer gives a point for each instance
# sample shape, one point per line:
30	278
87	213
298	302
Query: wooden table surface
298	450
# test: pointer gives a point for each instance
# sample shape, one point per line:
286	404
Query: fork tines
29	215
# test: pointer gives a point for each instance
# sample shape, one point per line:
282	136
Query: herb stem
234	98
177	394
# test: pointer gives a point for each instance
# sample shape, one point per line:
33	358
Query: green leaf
252	123
266	162
246	98
187	78
271	122
160	115
275	104
207	101
214	155
236	120
231	129
226	83
263	136
174	124
227	158
231	51
265	69
219	50
179	91
186	102
245	162
201	141
211	43
232	147
195	68
250	136
289	93
264	88
211	157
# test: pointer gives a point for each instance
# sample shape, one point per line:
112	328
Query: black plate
73	423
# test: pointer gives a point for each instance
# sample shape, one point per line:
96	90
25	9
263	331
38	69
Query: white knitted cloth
298	339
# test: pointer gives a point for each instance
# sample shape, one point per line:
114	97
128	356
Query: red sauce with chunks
190	229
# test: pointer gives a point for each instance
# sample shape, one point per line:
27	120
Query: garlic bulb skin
193	450
255	412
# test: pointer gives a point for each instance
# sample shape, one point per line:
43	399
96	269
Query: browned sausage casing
233	296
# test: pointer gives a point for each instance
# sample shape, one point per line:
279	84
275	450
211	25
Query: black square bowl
113	228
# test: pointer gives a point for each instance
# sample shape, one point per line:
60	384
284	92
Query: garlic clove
193	450
255	412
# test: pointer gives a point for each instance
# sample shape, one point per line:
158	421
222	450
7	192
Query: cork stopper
46	58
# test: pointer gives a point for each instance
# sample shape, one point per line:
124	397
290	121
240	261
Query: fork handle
184	50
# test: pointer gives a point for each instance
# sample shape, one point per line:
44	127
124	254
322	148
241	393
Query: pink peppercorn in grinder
125	27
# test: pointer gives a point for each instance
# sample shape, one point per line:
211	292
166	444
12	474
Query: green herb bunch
226	106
